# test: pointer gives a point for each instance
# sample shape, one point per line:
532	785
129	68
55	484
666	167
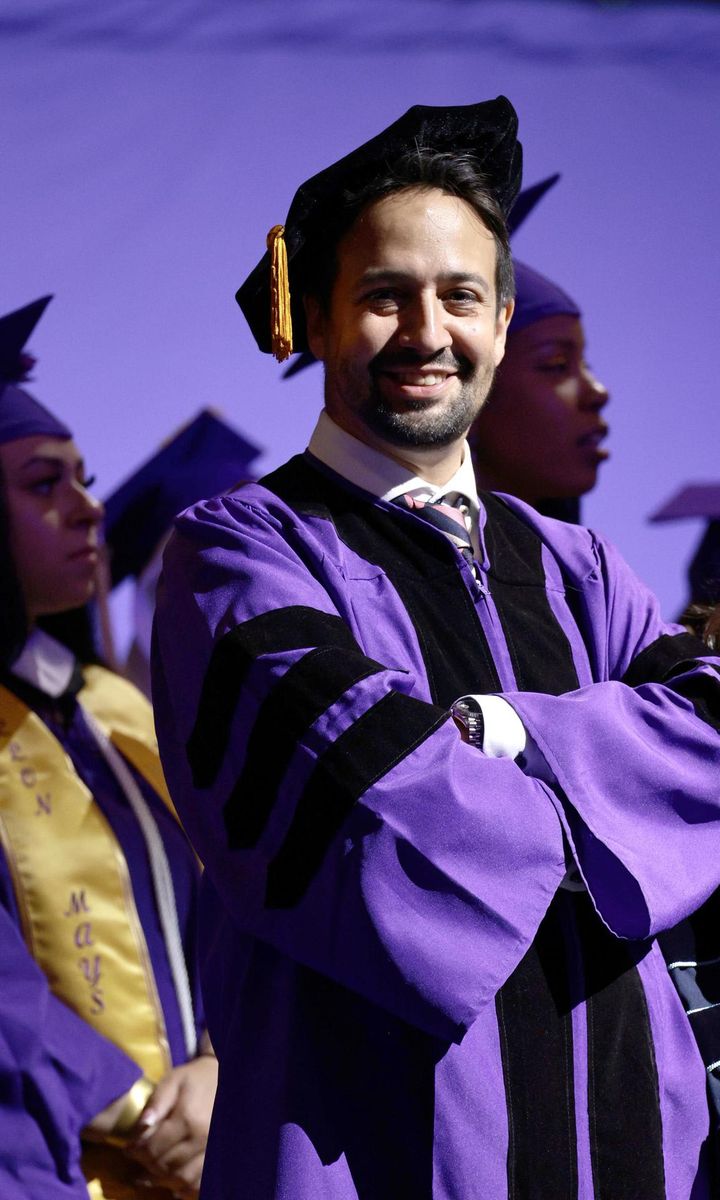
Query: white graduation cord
161	876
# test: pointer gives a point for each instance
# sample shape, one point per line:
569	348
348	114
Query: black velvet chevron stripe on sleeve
669	655
308	689
292	628
367	750
672	655
703	691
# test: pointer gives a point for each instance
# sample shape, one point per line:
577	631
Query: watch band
468	713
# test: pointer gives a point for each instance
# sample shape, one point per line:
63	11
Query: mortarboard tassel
280	317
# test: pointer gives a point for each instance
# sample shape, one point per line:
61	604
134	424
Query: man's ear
502	321
315	323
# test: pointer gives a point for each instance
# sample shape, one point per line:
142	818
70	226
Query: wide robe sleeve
56	1074
637	759
338	814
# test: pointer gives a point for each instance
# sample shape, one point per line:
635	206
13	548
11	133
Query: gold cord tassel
280	318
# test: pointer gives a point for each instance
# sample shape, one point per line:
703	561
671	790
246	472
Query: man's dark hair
452	173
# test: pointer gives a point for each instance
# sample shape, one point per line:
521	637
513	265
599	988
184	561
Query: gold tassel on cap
280	319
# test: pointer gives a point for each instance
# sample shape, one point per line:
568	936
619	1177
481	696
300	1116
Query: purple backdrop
146	150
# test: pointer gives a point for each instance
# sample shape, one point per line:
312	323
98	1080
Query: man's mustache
402	359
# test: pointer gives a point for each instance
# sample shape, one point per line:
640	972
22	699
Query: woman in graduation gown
541	434
106	1076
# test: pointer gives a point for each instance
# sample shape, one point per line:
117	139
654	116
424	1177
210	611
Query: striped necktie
445	517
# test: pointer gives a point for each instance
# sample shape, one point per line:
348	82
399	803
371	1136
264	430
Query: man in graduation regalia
447	769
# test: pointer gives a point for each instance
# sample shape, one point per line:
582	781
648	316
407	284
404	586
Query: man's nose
424	326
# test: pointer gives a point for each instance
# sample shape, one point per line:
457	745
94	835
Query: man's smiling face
412	336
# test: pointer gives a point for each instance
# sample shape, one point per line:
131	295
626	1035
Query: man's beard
417	424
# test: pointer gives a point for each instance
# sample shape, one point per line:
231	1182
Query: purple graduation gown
404	1000
56	1071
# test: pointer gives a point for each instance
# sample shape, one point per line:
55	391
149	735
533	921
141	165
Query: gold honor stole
73	887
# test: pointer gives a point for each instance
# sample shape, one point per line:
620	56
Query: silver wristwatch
468	713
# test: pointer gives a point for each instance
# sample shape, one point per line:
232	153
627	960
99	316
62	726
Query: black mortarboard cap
204	458
15	330
21	415
699	500
487	130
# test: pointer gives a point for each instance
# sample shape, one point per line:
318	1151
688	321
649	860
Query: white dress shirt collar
383	477
45	663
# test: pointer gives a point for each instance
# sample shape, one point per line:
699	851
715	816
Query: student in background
205	457
107	1077
541	435
693	501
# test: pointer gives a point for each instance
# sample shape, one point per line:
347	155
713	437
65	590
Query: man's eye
382	296
462	296
88	483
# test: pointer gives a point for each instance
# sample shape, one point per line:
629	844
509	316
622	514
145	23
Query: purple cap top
693	500
537	297
204	458
22	416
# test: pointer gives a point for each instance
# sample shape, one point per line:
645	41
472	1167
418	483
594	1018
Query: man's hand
173	1129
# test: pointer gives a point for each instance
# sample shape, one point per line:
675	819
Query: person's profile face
412	336
541	433
54	523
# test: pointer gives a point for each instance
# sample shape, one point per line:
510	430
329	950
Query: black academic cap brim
15	330
487	130
204	458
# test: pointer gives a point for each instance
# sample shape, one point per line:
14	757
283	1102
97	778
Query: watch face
470	717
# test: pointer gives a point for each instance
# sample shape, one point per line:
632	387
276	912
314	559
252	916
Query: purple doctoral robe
56	1071
404	999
